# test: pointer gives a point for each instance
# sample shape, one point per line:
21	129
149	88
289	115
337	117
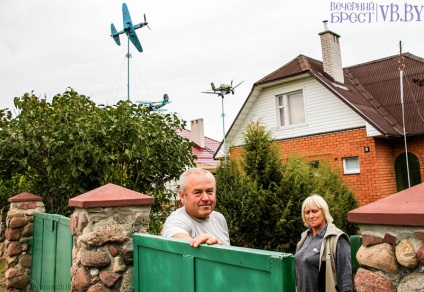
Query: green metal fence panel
355	244
49	256
164	264
63	255
51	253
37	251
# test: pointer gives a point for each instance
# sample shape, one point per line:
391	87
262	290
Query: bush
261	197
61	149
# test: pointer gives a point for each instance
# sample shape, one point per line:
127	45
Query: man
196	220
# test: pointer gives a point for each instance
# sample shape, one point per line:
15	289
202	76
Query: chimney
197	132
331	55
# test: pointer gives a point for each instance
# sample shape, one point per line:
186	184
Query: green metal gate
51	253
355	244
164	264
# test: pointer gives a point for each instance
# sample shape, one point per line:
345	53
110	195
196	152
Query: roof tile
373	90
204	155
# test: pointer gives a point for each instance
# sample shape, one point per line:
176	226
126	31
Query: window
351	165
291	109
314	163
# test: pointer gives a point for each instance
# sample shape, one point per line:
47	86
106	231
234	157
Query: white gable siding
371	131
324	112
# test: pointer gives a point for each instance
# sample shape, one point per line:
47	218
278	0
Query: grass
2	277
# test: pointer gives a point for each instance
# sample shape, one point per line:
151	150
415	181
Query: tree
62	149
261	161
261	196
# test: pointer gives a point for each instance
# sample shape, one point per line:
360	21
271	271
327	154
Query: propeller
166	97
145	21
237	85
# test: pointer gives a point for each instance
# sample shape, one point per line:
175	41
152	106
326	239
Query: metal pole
403	113
128	70
223	127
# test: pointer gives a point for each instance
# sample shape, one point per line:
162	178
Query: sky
49	45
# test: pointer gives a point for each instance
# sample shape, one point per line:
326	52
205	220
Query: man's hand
198	240
204	238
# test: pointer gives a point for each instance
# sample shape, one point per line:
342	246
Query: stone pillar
18	233
102	225
3	214
392	251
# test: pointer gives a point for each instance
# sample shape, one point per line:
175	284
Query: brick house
351	117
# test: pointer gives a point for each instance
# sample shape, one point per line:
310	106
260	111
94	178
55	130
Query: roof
381	80
204	155
372	89
403	208
110	195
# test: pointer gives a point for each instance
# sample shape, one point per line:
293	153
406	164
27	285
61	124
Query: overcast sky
49	45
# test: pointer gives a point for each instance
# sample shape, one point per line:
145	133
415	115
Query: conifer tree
261	196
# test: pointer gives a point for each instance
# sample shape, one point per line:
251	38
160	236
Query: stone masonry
102	226
392	251
3	215
392	260
18	233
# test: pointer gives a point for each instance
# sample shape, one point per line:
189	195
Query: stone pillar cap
24	197
110	195
405	208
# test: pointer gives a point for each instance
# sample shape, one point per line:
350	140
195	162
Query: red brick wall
376	179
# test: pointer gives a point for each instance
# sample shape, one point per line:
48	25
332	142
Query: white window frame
286	109
348	170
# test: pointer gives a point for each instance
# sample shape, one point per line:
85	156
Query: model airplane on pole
129	29
155	106
223	89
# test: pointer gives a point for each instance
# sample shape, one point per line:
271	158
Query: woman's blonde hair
316	201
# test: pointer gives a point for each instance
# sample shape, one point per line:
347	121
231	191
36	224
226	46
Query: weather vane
155	106
221	91
129	30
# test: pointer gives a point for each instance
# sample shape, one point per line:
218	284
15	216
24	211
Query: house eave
248	103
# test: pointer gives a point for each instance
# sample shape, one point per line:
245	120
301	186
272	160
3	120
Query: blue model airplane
156	105
129	29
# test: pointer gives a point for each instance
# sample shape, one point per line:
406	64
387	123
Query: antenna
401	67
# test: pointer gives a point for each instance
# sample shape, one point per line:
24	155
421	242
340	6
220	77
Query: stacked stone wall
392	259
103	250
17	244
3	215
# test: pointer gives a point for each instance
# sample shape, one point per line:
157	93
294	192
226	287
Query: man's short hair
195	170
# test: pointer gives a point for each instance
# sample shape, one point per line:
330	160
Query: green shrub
66	147
261	197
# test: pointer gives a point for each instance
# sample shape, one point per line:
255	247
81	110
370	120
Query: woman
322	258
